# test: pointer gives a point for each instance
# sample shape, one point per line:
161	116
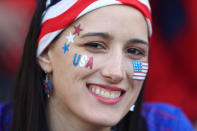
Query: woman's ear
45	61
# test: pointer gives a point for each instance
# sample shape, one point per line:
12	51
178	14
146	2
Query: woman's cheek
136	71
140	70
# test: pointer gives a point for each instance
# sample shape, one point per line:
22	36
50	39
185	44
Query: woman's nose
112	70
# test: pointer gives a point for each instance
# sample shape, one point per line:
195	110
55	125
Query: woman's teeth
105	93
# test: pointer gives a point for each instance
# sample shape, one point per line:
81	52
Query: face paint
77	29
65	48
90	63
74	60
140	69
83	61
70	38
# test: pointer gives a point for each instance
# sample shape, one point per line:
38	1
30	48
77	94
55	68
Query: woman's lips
106	94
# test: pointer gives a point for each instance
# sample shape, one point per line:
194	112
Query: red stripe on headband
64	19
140	6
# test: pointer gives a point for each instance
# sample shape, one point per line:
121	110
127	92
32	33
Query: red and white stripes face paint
60	14
140	69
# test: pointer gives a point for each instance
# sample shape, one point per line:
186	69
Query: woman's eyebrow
99	34
137	41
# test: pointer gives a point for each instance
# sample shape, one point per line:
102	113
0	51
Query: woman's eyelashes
132	52
94	46
135	52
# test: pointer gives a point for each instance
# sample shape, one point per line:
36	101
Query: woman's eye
134	51
94	45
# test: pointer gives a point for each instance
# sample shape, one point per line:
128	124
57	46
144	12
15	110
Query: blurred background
15	16
173	59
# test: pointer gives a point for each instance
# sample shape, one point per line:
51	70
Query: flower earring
132	108
47	85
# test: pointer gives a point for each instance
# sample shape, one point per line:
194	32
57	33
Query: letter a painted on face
90	63
83	60
75	63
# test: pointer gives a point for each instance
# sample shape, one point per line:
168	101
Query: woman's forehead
118	12
114	19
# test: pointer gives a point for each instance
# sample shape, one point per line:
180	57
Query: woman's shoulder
165	117
5	116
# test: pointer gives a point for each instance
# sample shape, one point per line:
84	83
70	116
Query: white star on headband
70	38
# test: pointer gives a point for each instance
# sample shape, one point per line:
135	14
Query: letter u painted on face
75	63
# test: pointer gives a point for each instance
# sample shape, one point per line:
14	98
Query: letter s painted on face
83	61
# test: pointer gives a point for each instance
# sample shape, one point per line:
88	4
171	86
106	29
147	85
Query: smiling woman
104	94
93	57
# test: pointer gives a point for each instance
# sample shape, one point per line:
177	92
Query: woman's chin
104	122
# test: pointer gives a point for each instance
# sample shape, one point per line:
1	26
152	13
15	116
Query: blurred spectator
15	16
173	55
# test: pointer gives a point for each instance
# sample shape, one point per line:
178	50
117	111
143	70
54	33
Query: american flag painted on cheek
140	69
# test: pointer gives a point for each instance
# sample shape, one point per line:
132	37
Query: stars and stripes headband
59	14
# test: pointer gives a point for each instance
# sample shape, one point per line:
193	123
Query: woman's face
92	75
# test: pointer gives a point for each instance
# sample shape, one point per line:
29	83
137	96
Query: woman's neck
60	120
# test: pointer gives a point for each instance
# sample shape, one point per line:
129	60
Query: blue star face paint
140	69
81	60
65	48
70	38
